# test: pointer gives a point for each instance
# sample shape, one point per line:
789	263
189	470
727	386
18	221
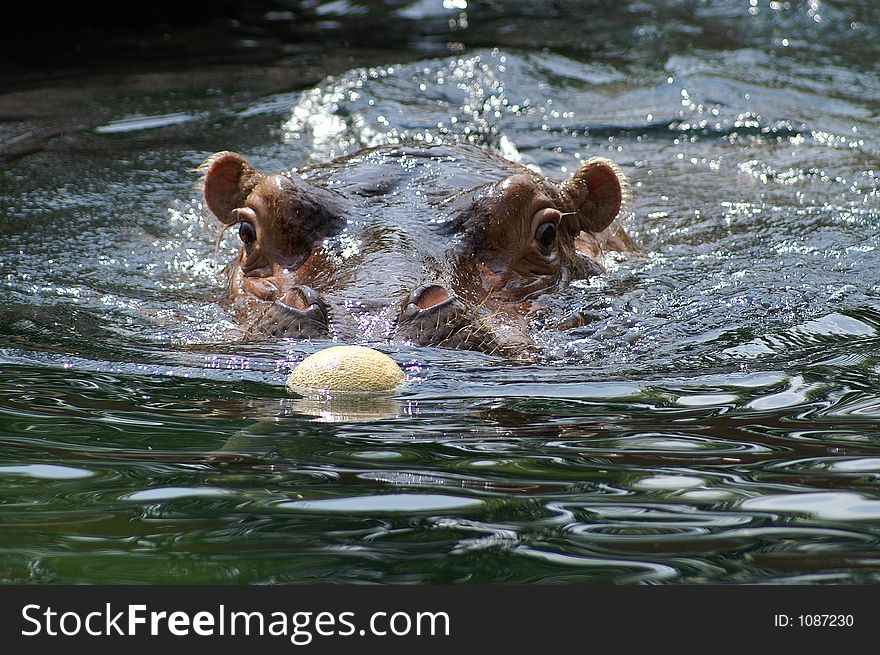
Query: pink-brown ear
229	179
596	194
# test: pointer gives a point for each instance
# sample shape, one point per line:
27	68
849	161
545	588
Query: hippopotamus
446	245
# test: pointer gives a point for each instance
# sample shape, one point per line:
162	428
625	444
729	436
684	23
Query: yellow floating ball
346	368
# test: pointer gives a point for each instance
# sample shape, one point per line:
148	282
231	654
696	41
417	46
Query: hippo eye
247	233
546	234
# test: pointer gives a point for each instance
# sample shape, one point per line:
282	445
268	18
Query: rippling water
717	419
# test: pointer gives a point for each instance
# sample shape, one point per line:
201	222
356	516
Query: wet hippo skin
448	246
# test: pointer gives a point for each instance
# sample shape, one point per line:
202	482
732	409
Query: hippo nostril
300	298
422	300
299	313
295	299
429	296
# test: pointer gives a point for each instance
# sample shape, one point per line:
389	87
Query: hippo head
448	245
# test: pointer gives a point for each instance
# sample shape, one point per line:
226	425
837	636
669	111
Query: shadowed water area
715	417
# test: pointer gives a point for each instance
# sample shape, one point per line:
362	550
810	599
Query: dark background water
717	421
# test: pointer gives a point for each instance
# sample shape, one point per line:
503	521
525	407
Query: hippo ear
229	179
596	192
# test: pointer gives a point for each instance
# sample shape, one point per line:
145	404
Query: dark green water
717	421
